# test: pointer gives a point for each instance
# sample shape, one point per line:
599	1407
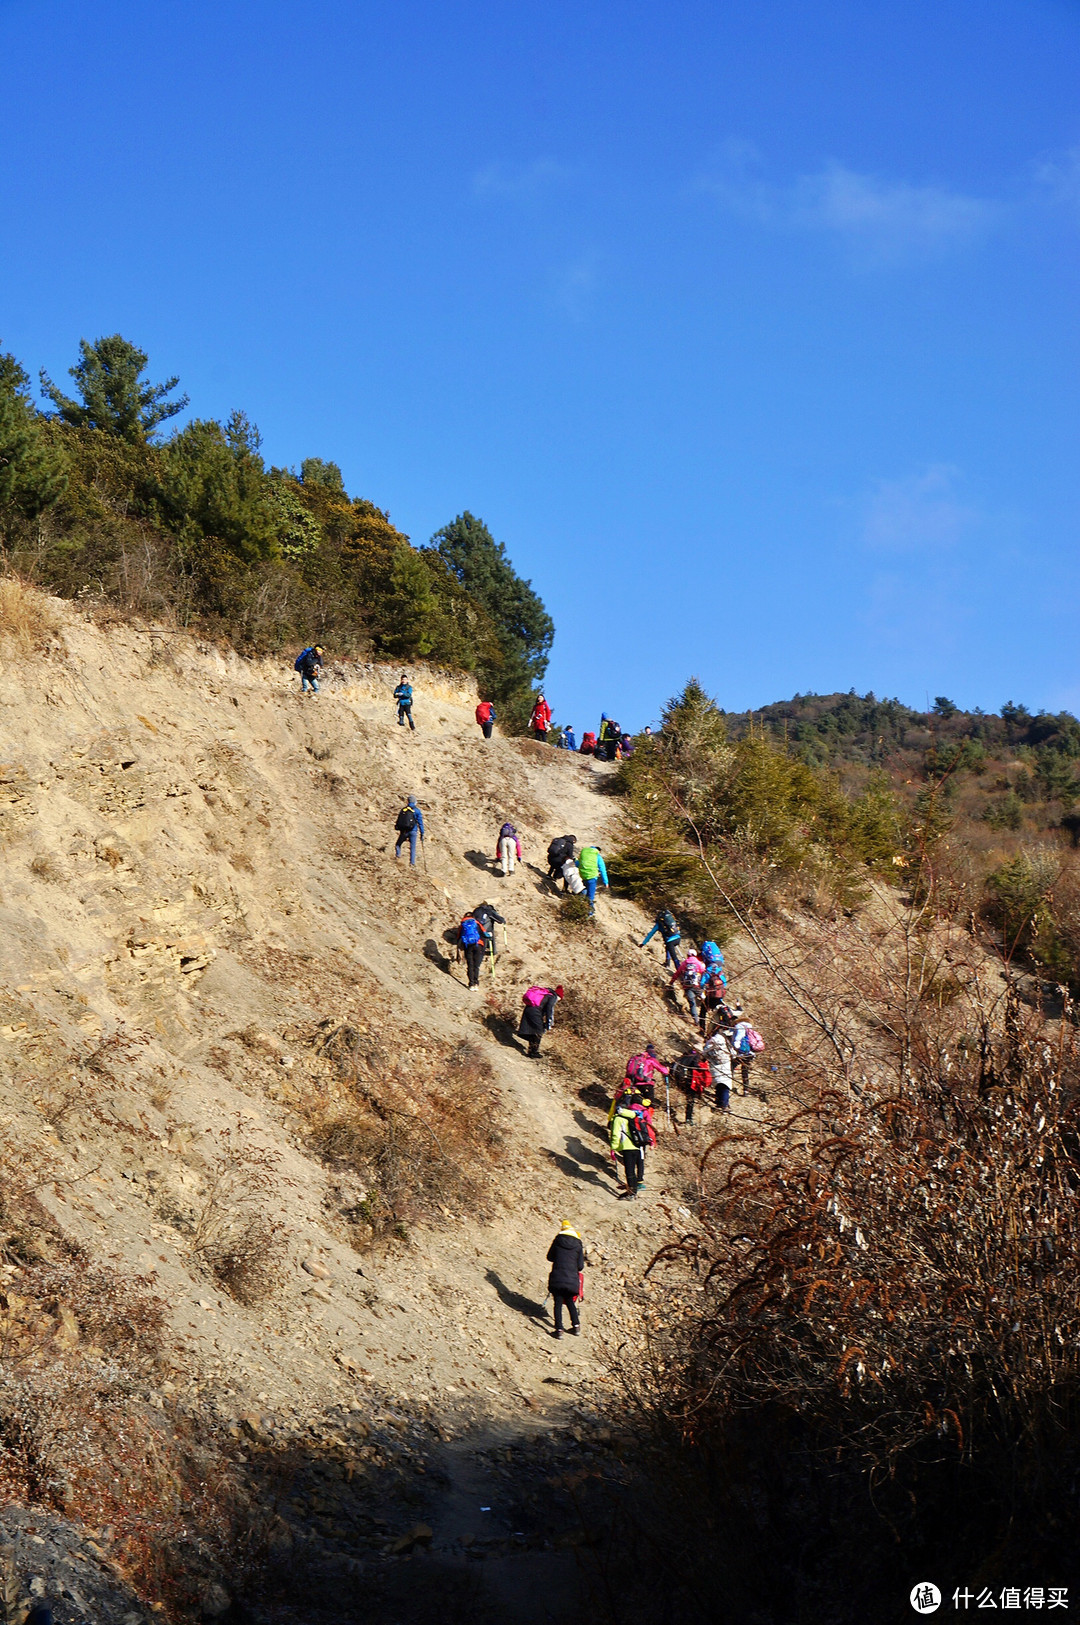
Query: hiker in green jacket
591	868
628	1137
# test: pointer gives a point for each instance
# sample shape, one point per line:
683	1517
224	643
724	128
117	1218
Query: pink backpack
755	1040
535	995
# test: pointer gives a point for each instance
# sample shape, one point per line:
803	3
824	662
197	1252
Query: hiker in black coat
538	1018
488	915
566	1256
561	848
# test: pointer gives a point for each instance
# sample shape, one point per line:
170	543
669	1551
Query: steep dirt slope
199	890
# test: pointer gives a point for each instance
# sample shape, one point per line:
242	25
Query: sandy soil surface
198	884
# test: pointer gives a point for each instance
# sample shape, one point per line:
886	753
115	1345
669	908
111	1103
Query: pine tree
33	474
523	626
113	395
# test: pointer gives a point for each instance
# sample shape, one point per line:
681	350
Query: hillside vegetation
96	505
867	1359
810	801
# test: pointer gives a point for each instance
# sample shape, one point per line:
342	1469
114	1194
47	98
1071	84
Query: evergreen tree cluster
840	730
759	816
94	502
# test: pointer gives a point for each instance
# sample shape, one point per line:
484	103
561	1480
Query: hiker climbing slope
561	848
409	824
688	975
538	1015
670	935
508	848
403	696
472	940
591	868
489	917
566	1255
629	1136
540	721
309	664
485	716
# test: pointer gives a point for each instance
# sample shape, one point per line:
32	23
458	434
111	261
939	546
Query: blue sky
750	328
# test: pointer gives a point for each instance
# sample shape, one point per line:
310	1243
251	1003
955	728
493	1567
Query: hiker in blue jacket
566	740
309	665
409	824
670	935
403	696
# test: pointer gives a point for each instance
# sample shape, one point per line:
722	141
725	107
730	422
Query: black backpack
561	848
406	821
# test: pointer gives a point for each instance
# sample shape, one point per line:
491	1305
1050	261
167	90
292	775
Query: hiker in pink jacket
689	976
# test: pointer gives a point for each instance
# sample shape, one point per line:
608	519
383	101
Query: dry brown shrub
231	1236
46	867
421	1137
606	1029
26	621
879	1327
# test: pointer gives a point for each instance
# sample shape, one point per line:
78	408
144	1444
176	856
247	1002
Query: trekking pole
491	945
423	848
504	938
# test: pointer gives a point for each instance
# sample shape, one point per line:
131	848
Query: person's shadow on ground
503	1032
585	1155
587	1125
480	860
515	1300
574	1170
433	952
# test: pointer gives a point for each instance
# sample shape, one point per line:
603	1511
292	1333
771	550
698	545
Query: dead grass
46	867
232	1238
26	621
422	1134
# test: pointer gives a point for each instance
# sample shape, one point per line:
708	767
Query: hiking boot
574	1331
558	1332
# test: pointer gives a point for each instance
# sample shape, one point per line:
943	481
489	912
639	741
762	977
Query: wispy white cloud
919	514
1057	178
519	180
882	222
574	284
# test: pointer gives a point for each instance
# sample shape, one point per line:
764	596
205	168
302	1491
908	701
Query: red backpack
483	711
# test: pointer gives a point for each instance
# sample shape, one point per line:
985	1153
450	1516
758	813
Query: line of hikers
609	743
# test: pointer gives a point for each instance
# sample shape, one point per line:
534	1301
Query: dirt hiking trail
200	914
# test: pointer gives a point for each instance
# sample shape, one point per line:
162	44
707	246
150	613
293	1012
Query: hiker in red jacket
485	716
540	721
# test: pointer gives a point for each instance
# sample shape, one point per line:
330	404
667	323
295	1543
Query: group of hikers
725	1041
609	742
309	663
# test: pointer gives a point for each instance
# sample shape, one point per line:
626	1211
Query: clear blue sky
749	327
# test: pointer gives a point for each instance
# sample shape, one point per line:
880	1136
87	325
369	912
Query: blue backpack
711	954
469	932
301	659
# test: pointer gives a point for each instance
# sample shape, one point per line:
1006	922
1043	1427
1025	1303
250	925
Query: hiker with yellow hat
566	1283
309	664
